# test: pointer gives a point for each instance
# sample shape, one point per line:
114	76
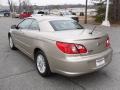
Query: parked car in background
25	15
40	13
69	14
44	12
1	14
5	13
15	15
61	45
81	14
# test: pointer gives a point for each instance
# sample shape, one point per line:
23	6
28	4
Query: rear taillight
108	42
71	48
81	48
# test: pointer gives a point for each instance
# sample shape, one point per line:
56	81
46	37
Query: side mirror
14	27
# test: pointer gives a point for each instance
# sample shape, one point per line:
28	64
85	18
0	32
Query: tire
42	64
6	14
11	44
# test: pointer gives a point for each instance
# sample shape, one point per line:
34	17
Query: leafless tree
10	5
25	6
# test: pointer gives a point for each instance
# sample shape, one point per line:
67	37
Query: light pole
106	21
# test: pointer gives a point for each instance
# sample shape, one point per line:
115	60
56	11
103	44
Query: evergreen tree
100	11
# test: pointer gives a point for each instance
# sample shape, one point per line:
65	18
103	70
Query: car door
19	34
29	36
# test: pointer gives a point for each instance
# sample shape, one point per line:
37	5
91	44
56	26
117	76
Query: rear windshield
62	25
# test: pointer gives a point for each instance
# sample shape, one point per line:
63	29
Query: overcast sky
48	2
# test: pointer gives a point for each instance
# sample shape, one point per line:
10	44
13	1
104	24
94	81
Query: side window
34	25
25	24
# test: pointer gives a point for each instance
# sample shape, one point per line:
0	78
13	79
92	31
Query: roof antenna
93	30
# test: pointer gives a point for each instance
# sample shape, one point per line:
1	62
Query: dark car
5	13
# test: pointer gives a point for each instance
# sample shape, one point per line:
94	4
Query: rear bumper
75	66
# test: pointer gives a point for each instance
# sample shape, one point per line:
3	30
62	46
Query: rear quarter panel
50	49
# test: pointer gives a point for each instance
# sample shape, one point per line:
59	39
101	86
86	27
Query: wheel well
36	50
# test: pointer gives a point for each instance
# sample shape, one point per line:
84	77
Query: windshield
61	25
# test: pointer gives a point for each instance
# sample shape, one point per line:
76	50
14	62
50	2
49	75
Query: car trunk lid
94	43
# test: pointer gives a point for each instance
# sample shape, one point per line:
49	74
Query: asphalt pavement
17	71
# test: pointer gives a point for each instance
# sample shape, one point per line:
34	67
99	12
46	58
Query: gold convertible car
61	45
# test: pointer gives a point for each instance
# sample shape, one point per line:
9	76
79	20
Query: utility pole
106	21
86	6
